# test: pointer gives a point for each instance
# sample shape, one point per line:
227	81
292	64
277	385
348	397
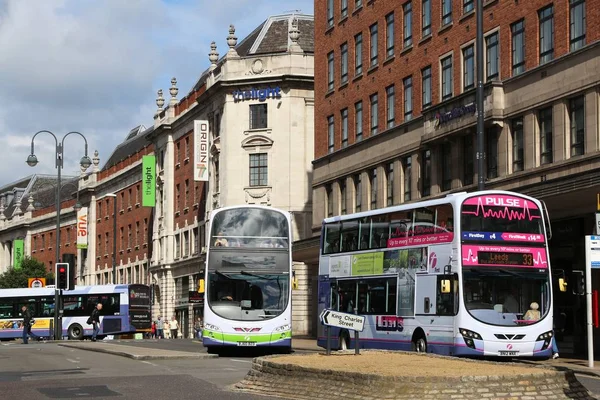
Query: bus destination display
505	258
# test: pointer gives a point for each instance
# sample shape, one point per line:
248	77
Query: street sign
338	319
37	282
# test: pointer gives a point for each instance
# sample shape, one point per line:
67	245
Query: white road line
73	361
242	361
149	363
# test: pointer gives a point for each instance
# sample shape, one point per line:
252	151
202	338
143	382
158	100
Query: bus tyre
75	332
419	344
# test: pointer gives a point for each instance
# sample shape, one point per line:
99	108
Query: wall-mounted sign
196	297
36	282
257	94
18	248
82	228
149	181
457	112
201	151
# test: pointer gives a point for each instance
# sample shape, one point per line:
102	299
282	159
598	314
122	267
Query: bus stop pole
356	347
588	300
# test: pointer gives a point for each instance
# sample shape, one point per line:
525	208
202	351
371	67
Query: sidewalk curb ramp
290	381
137	353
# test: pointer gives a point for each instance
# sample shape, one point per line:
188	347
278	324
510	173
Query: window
344	127
446	151
426	173
178	197
447	78
258	116
177	152
122	239
389	35
446	12
258	169
373	183
426	18
137	233
186	199
389	177
468	167
357	193
390	102
186	148
426	84
492	153
517	144
407	166
407	24
546	16
577	24
469	67
330	71
373	44
577	115
344	10
518	47
468	6
329	13
545	123
329	201
492	56
129	236
358	54
344	60
358	120
357	4
408	104
330	134
374	114
343	198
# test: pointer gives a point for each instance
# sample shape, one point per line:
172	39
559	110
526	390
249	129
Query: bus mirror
201	286
562	285
445	286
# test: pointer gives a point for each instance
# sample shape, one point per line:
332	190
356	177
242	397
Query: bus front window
504	296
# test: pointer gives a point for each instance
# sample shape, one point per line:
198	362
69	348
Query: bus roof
95	289
452	198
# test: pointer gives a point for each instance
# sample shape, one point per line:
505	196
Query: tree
19	278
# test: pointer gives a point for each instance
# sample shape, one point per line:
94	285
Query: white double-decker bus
247	283
464	275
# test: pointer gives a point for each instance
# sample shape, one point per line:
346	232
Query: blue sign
482	236
257	94
595	264
456	112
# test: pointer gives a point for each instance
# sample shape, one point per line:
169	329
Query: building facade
396	115
258	102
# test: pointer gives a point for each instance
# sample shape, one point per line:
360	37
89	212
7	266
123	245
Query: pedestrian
554	348
160	328
153	330
94	320
27	322
198	326
173	326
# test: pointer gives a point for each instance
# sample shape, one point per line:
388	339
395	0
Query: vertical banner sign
149	181
201	151
82	228
18	247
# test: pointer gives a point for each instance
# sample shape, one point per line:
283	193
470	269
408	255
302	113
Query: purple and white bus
465	275
125	309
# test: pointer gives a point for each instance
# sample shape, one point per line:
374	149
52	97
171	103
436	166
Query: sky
95	66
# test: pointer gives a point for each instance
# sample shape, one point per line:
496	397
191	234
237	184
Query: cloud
94	67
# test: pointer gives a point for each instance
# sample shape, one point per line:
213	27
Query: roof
135	141
272	37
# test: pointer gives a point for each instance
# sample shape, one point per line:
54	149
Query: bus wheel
419	344
75	332
344	341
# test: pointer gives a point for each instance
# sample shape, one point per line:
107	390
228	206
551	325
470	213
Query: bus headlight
283	328
547	338
211	327
469	337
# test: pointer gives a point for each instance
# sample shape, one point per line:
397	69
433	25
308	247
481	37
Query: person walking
27	322
174	327
160	328
94	319
198	326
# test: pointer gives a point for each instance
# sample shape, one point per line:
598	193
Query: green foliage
19	278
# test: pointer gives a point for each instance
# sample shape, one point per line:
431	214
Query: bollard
51	333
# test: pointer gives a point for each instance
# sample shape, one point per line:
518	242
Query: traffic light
62	276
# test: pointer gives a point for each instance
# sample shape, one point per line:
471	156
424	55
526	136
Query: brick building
395	108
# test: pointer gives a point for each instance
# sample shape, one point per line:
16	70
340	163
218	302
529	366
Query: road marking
73	361
242	361
149	363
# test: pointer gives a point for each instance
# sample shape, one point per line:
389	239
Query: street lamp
479	97
114	252
85	162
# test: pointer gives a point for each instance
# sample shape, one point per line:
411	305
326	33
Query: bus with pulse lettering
464	275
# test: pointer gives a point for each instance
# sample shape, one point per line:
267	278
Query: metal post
328	333
479	97
356	348
588	301
57	321
114	257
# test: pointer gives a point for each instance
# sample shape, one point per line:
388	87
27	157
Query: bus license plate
246	344
508	353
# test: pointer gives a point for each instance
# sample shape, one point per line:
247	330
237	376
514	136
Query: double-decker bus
125	309
466	275
247	282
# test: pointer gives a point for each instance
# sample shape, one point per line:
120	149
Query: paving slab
137	353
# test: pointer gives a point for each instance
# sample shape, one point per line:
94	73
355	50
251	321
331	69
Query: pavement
137	353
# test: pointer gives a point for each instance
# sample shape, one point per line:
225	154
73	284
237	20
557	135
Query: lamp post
85	162
479	97
114	252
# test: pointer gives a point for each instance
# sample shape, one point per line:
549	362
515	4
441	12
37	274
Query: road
48	371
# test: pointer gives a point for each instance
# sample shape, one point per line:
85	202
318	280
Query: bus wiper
223	275
257	275
511	273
